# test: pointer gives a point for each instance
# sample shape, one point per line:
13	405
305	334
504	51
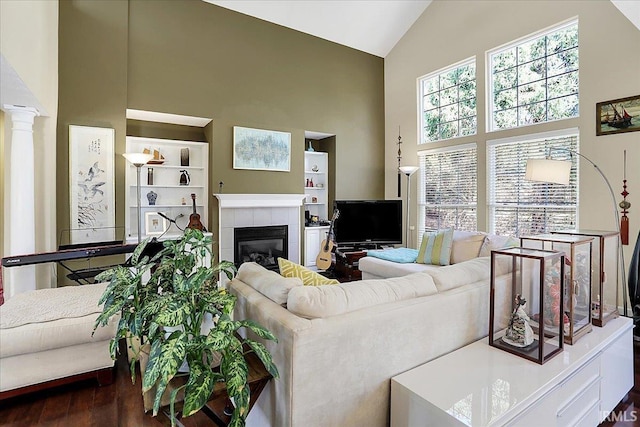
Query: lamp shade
548	170
408	170
138	159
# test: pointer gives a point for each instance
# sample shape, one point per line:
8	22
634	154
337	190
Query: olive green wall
194	58
92	88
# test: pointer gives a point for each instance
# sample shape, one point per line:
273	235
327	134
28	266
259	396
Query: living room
197	59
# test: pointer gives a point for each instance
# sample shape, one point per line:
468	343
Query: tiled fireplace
262	245
254	211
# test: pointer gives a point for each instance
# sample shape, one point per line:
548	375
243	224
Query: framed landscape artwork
261	149
618	115
91	184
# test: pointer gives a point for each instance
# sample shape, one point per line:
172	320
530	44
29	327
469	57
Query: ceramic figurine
519	332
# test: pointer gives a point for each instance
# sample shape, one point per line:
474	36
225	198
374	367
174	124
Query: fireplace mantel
234	201
258	210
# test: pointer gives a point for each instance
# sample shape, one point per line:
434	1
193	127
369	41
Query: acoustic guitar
194	218
323	260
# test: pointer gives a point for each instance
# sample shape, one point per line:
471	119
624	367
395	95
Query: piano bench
47	339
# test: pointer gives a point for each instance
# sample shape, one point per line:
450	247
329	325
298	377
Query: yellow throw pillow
435	248
308	277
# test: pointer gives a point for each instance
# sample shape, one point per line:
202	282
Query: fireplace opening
262	245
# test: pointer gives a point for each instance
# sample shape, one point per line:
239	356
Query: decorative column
22	199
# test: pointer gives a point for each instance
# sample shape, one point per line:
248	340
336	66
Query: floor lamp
138	160
408	171
557	172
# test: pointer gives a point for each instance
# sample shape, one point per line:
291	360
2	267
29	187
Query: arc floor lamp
408	171
558	172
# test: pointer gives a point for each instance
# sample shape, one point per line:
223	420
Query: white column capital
20	113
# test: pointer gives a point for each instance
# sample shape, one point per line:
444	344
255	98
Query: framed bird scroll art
91	184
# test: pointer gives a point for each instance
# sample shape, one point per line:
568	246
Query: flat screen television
368	223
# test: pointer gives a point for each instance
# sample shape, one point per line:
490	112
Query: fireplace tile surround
255	210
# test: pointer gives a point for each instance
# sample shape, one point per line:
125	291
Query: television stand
347	263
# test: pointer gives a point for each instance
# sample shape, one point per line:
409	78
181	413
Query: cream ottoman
46	339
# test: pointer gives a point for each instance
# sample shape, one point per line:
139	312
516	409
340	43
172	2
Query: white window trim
567	132
489	66
421	202
419	97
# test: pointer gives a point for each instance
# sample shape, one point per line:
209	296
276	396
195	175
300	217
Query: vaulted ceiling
372	26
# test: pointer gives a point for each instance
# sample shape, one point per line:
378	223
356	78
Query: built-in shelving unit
172	198
316	183
316	201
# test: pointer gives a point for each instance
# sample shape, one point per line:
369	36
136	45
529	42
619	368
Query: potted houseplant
165	300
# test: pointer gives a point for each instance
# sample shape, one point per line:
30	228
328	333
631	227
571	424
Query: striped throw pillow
435	248
308	277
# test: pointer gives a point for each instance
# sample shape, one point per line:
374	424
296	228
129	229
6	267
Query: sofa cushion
453	276
383	269
267	282
435	248
401	255
466	245
326	301
493	242
47	319
308	277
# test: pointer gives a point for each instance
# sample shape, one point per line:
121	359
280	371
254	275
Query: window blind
448	190
520	207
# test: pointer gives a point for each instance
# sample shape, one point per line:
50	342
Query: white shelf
167	186
163	166
313	235
166	177
190	207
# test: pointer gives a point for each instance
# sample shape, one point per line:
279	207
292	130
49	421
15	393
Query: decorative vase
184	177
184	157
310	147
151	197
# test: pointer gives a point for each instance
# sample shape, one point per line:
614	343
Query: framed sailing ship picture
618	115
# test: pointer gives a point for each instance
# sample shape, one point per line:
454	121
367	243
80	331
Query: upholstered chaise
46	339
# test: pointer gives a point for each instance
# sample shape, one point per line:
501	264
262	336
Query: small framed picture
618	115
154	224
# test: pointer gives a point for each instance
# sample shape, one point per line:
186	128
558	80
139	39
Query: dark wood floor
86	404
120	404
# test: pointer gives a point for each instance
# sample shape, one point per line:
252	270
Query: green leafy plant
163	300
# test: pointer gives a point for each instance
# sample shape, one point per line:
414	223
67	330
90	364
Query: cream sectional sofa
466	245
339	345
47	339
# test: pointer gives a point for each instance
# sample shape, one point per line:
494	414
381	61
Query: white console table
479	385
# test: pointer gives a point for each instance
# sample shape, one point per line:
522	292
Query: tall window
448	102
520	207
535	80
448	188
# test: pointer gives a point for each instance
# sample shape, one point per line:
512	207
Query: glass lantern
577	283
525	302
605	267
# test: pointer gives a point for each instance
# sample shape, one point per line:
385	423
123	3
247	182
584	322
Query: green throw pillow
308	277
435	248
